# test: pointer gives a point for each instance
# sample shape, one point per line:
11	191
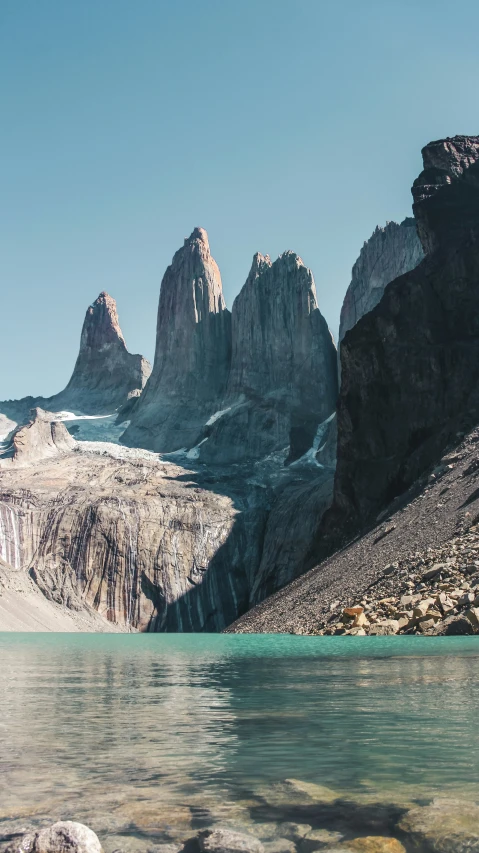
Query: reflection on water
155	734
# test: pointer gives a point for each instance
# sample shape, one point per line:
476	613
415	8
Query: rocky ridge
390	252
232	388
282	381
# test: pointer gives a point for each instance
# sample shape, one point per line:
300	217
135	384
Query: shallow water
149	736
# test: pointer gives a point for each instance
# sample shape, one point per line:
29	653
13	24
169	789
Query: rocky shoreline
291	816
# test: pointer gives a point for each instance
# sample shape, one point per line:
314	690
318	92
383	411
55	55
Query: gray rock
283	383
105	373
65	836
444	826
279	845
390	252
228	841
192	356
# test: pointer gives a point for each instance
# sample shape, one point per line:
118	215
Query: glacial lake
147	738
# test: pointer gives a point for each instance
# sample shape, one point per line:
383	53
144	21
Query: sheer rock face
105	375
410	368
390	252
447	164
193	351
282	383
137	539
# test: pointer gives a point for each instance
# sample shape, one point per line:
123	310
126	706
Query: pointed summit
101	325
283	378
193	349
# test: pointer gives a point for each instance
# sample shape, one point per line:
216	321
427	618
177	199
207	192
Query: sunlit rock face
136	538
193	352
410	367
105	375
282	383
390	252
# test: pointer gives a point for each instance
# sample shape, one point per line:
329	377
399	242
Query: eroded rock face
390	252
105	375
446	165
410	368
282	383
193	351
41	438
137	539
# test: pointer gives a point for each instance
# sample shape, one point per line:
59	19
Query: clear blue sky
274	124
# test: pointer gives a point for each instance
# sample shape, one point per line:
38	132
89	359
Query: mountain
282	383
390	252
105	375
192	356
409	393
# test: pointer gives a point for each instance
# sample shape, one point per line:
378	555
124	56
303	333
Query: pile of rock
292	816
432	593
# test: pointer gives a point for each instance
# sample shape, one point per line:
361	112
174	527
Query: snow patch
216	417
195	451
310	456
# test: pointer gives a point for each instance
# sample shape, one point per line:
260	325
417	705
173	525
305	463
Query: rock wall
282	382
410	368
193	351
105	375
390	252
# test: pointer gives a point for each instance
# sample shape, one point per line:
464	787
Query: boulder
444	826
228	841
65	836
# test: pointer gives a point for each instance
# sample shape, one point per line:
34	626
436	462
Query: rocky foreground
288	817
415	571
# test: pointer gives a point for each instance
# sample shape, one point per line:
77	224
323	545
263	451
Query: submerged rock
228	841
444	826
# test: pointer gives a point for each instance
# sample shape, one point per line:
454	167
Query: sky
274	124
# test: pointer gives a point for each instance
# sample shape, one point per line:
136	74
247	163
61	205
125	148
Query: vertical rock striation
390	252
193	350
410	368
282	383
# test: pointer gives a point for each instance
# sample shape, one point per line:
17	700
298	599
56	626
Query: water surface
149	736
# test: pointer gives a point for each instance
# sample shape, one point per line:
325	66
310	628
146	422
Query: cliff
390	252
282	383
410	367
192	356
105	375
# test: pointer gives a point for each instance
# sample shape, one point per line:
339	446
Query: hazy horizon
274	125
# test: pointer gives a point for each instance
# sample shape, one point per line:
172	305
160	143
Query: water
151	736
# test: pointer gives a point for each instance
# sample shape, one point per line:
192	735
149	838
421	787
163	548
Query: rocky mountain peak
101	325
446	193
200	236
391	251
193	349
283	379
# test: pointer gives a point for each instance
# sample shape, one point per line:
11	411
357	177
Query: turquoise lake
145	737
